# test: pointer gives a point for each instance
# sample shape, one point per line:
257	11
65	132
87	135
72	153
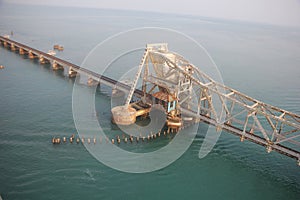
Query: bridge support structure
31	55
56	66
72	73
92	82
43	60
5	43
12	47
22	51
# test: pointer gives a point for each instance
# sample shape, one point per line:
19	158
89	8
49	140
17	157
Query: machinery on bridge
163	83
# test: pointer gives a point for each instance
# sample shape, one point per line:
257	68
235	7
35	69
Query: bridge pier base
72	73
22	51
242	138
12	47
218	128
56	66
92	82
269	149
31	55
43	60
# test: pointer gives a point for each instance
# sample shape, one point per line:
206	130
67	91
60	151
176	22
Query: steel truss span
206	100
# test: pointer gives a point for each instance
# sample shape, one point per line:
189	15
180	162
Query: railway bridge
173	82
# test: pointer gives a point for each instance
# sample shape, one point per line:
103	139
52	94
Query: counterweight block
123	115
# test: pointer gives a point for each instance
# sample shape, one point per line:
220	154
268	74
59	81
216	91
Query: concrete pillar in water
31	55
56	66
21	51
92	82
42	59
72	73
12	47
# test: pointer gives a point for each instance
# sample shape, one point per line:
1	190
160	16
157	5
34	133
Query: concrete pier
72	73
92	82
22	51
43	60
56	66
12	47
31	55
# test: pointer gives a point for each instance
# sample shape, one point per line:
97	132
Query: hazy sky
281	12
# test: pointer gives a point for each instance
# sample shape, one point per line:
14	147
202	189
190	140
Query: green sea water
36	104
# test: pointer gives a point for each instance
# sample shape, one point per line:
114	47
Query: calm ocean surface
36	104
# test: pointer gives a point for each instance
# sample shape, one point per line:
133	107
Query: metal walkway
248	118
